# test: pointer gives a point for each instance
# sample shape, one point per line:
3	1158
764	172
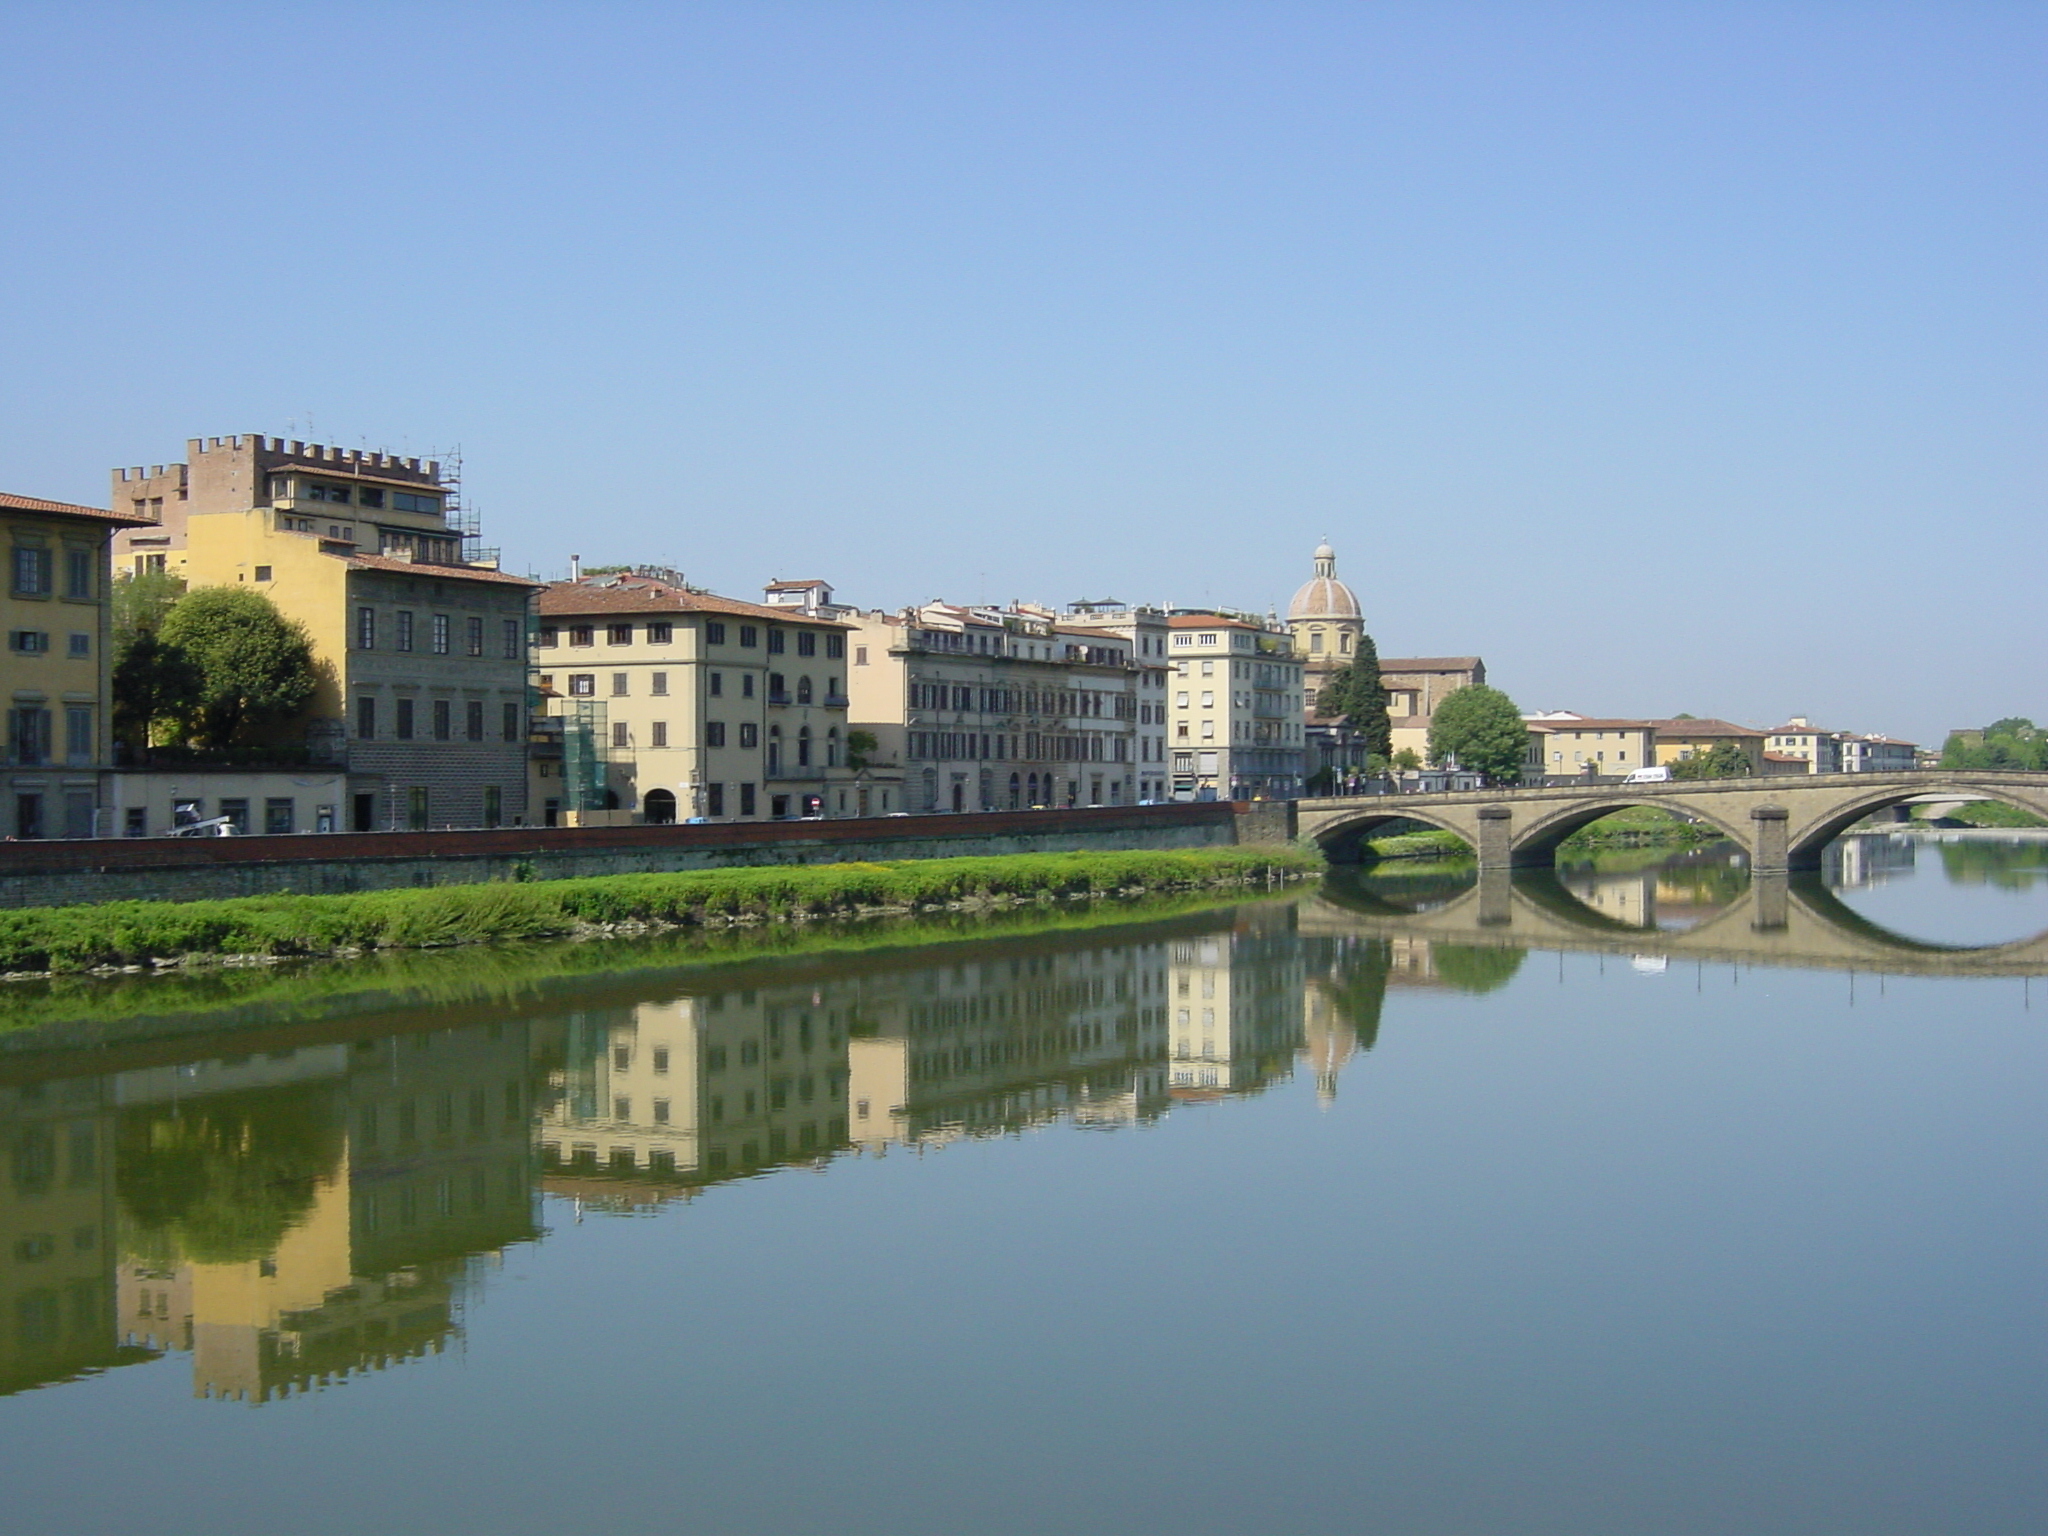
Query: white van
1649	776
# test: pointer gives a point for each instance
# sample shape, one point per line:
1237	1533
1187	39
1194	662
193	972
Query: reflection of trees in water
1357	986
2014	866
1475	967
221	1180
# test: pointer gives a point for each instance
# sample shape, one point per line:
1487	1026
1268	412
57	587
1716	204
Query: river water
1622	1201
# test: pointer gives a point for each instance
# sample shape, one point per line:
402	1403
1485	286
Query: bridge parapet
1781	823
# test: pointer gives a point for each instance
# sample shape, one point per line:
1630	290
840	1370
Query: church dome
1323	596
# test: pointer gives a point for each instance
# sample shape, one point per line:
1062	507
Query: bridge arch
1537	842
1343	842
1804	844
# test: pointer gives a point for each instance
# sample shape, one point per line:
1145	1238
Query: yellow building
420	640
1235	710
55	670
1680	739
1562	745
676	703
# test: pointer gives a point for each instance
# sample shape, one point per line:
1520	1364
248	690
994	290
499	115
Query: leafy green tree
1483	730
2014	742
256	665
1356	695
860	749
1723	760
140	602
154	684
1407	760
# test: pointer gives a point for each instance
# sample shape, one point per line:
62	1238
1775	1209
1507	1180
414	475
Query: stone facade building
690	705
55	670
420	640
1000	708
1235	709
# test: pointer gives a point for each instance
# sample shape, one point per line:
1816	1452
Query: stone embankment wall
193	869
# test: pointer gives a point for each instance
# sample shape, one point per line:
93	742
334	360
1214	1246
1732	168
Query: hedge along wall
195	869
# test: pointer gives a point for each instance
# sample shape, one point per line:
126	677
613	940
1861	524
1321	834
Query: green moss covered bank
42	940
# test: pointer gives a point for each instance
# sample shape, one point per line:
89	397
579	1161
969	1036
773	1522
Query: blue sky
1672	357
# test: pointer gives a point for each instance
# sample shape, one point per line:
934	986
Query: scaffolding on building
583	761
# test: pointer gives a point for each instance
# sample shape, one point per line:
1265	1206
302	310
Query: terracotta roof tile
569	599
443	572
1704	728
71	509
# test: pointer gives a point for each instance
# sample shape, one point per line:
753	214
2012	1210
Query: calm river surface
1630	1200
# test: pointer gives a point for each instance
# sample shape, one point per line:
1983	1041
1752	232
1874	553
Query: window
1208	669
660	634
714	799
777	640
750	735
618	634
315	491
366	718
263	573
582	685
78	734
403	501
835	646
494	805
440	634
803	690
714	634
659	686
714	733
860	655
474	630
510	635
806	643
30	642
444	720
749	635
619	685
510	722
78	564
405	721
403	633
31	571
546	636
417	807
621	734
473	719
717	685
370	496
746	799
278	815
237	814
366	629
746	685
582	634
28	737
658	733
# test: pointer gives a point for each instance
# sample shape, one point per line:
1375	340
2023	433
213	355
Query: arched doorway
959	796
803	744
659	806
1016	791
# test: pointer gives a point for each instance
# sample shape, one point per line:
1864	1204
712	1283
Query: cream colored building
1800	740
985	709
419	638
55	670
1680	739
1564	745
1147	633
1416	685
677	704
1234	709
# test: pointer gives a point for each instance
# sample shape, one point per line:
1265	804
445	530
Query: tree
1483	730
1356	695
1723	760
1407	760
153	683
255	665
860	749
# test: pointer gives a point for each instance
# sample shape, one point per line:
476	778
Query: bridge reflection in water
314	1196
1707	908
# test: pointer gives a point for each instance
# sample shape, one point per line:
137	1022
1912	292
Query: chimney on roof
575	567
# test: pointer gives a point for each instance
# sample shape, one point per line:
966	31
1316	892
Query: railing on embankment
59	873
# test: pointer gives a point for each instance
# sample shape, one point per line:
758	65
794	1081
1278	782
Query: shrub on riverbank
146	932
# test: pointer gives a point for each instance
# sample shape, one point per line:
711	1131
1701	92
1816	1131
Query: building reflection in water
291	1217
288	1219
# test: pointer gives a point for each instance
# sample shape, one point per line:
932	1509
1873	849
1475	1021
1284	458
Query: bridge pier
1496	897
1496	848
1770	843
1773	892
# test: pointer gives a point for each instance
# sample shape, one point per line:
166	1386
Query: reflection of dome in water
1323	596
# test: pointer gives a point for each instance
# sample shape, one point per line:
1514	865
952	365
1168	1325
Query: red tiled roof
71	509
1429	663
1704	728
442	572
1209	621
568	599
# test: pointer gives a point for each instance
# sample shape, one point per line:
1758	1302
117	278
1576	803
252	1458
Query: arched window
1344	642
803	741
832	747
1034	790
803	690
660	807
959	797
774	750
1016	790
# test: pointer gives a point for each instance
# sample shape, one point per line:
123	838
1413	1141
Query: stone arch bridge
1782	823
